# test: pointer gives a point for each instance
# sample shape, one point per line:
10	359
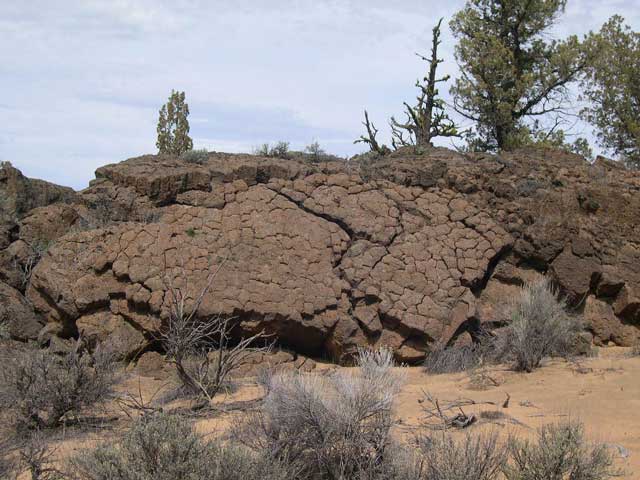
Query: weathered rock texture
404	252
19	194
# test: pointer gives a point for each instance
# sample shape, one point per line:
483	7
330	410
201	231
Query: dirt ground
602	392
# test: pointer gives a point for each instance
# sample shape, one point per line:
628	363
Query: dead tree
202	350
428	119
370	139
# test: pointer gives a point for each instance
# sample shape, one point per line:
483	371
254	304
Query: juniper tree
612	85
173	126
511	74
428	118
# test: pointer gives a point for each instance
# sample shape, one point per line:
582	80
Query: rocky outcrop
19	194
405	251
18	315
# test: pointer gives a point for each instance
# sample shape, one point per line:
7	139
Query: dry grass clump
332	428
165	447
539	327
560	452
453	359
39	389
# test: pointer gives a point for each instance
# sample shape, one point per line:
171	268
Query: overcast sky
83	80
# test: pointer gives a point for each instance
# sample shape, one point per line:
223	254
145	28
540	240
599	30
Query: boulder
606	327
43	225
574	275
17	314
152	364
113	333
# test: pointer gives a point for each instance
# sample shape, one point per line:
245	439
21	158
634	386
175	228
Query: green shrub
538	326
316	153
279	150
165	447
195	156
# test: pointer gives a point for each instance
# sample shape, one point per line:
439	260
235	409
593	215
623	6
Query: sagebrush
560	452
477	457
166	447
41	388
195	156
37	458
538	326
332	428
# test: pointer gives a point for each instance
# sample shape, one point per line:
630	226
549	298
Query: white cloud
87	76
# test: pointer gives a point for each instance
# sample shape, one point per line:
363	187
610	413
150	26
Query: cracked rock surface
406	251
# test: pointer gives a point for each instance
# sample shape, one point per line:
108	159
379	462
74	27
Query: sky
83	80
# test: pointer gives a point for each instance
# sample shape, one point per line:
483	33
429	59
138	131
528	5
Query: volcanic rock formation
405	251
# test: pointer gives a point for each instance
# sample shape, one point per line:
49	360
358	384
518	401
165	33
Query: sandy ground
601	392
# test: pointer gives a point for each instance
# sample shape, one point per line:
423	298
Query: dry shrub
453	359
560	452
165	447
493	415
40	388
37	458
25	265
481	378
635	351
475	457
333	427
539	326
7	464
202	350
